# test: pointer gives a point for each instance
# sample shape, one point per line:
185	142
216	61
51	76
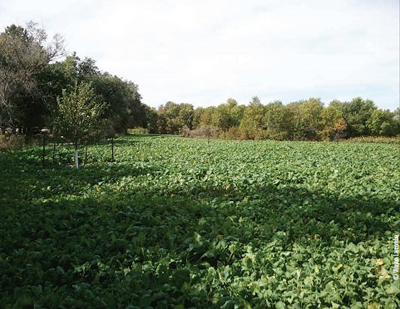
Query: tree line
301	120
41	86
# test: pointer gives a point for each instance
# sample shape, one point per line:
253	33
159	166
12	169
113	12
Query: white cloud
204	52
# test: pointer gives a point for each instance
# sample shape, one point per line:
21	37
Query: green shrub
13	141
138	130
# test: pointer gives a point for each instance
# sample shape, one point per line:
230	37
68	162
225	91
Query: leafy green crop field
178	223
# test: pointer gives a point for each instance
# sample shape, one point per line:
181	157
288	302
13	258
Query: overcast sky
204	52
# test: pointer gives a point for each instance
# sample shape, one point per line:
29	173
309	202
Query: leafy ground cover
181	223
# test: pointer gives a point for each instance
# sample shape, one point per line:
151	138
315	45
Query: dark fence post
44	132
44	148
112	149
54	151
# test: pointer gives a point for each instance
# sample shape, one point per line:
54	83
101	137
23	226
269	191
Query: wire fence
50	151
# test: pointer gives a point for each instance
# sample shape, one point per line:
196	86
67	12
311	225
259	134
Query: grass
374	139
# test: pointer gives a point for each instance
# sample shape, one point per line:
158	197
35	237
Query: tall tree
310	114
356	114
151	118
333	125
252	124
23	54
123	106
382	123
204	116
296	130
227	115
277	121
176	117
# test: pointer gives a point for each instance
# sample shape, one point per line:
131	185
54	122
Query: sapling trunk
76	156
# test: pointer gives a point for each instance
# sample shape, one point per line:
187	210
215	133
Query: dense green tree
202	117
23	55
174	118
236	112
227	115
356	114
53	78
310	115
123	102
151	118
221	118
252	125
294	121
185	116
197	113
277	121
333	125
382	123
123	106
